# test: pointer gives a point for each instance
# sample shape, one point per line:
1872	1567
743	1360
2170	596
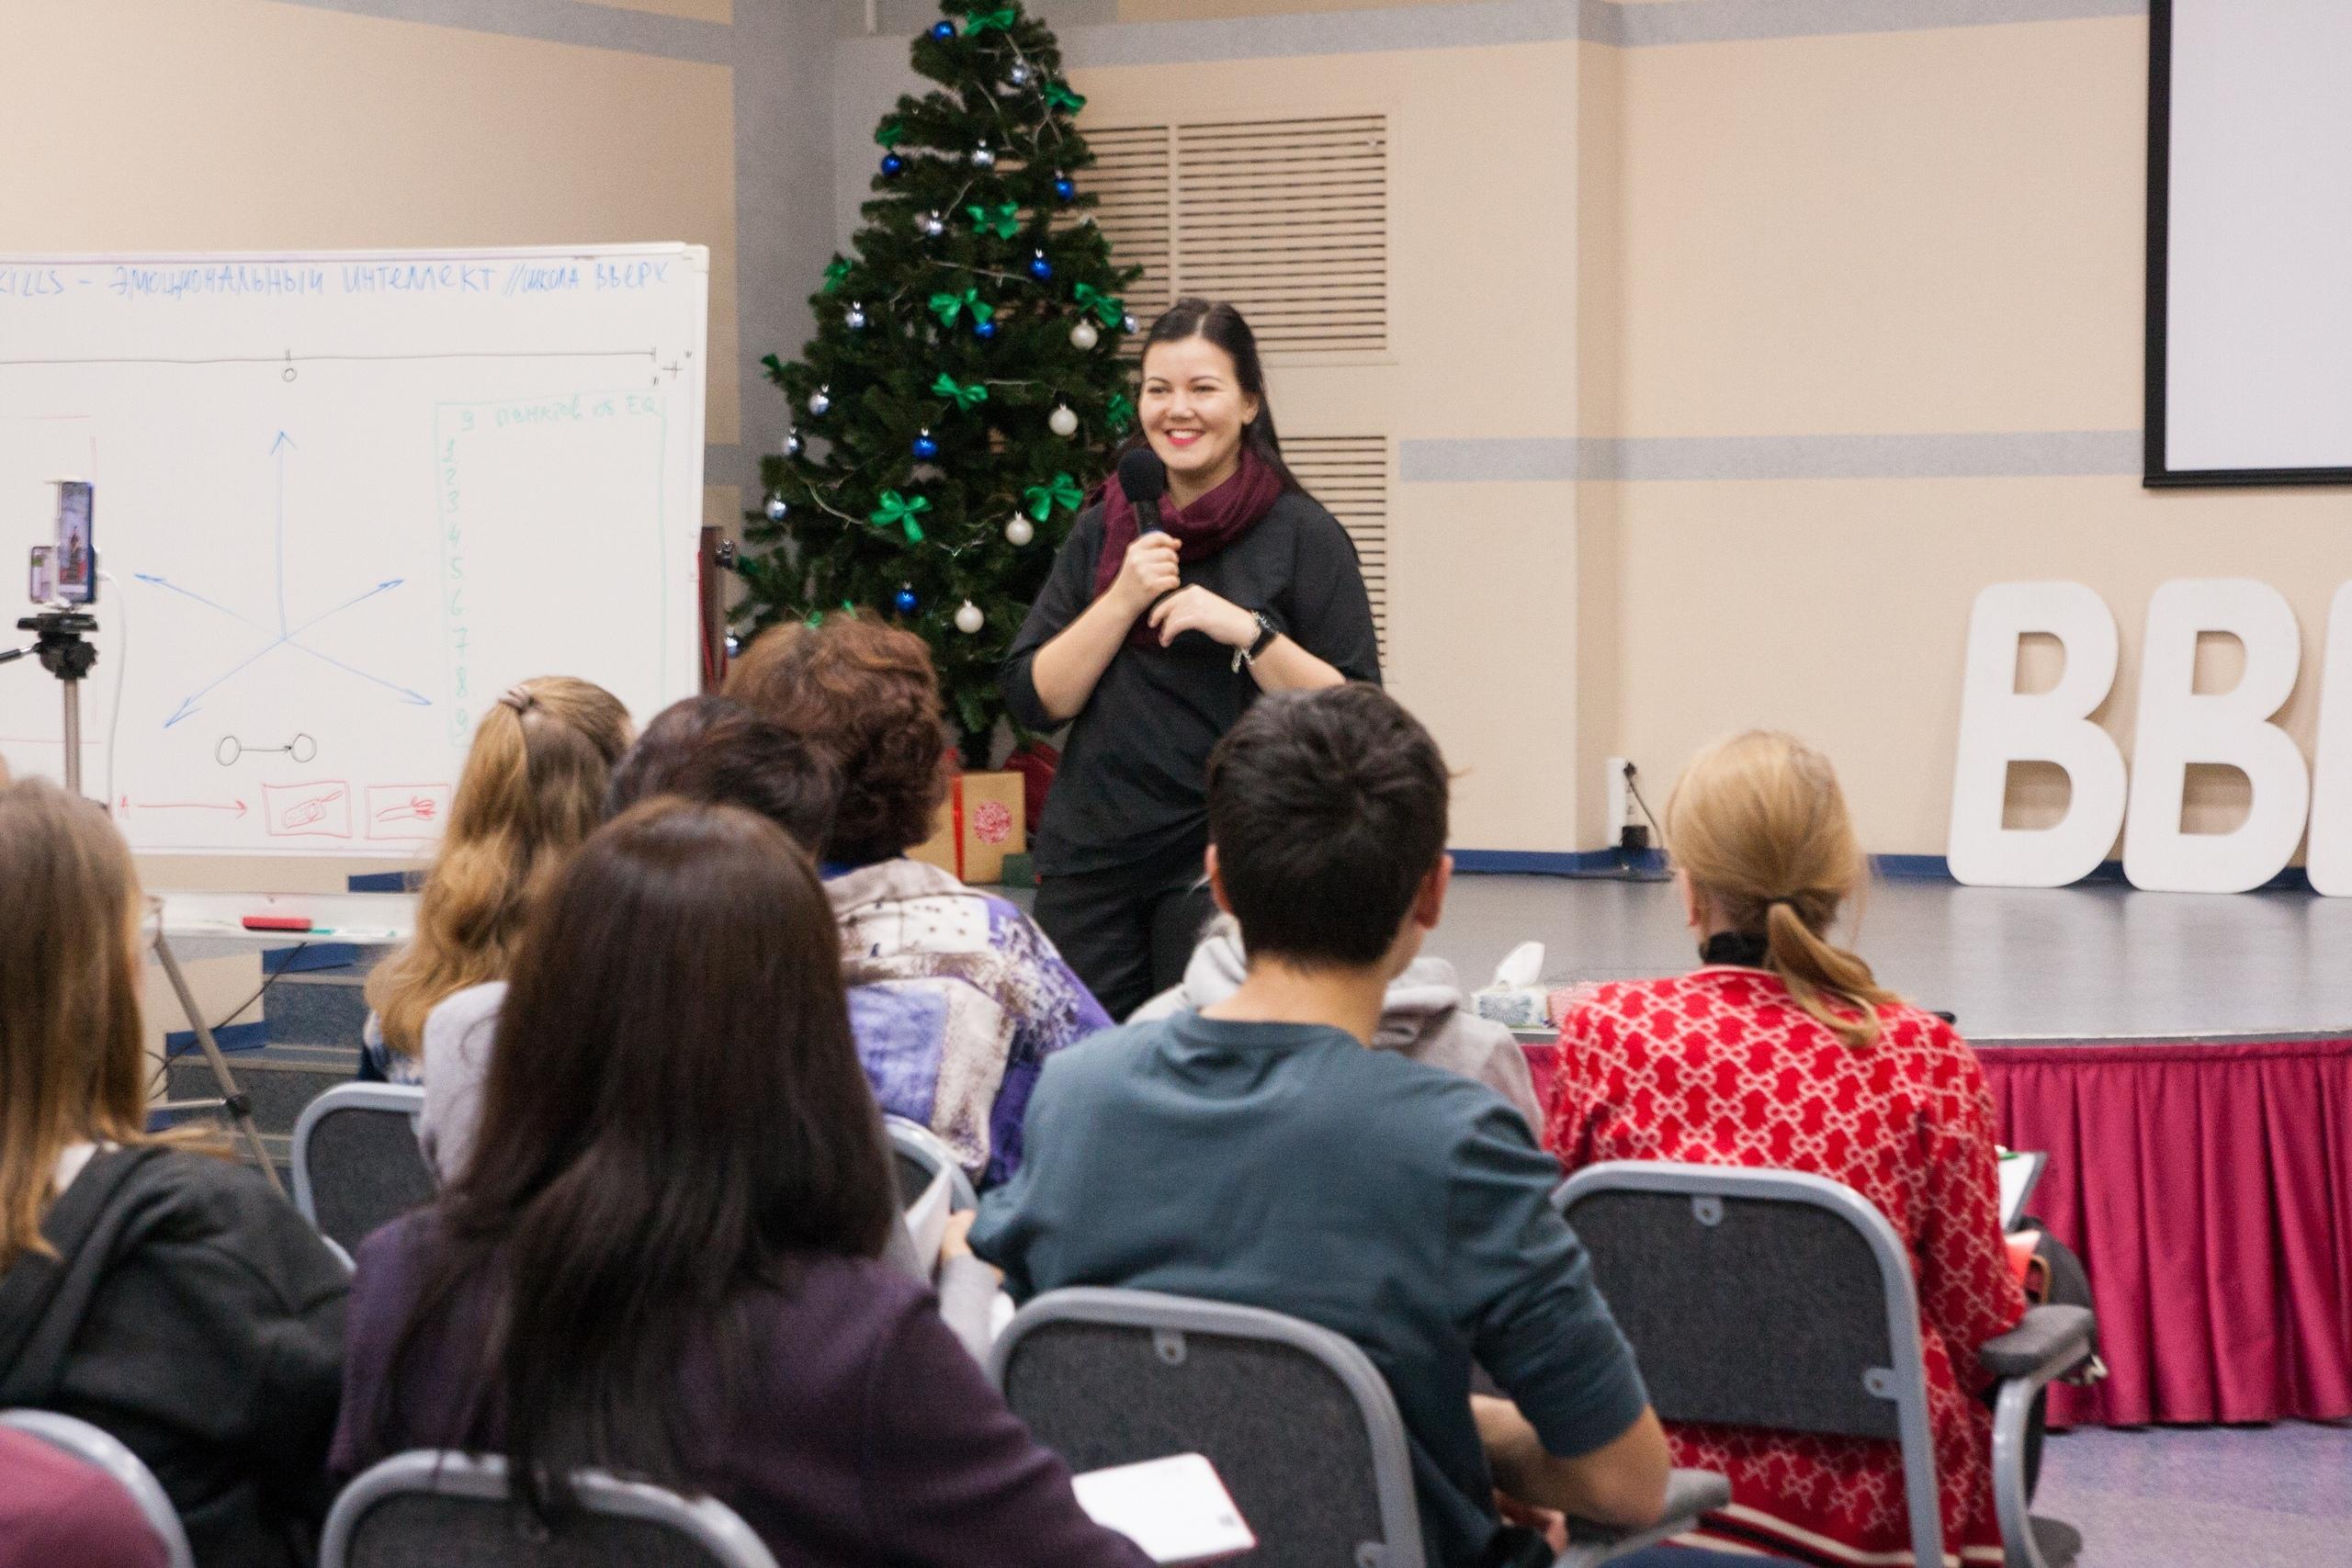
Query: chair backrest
425	1510
1763	1298
1299	1423
920	1155
97	1446
357	1162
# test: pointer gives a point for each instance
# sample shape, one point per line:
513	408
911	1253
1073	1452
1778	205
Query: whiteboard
2250	243
346	500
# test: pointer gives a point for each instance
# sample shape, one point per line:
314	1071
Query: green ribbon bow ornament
979	22
1006	223
902	510
1060	490
1108	309
1060	96
947	306
967	397
774	366
1120	411
836	273
890	133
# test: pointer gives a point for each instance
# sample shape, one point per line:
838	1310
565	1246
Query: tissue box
983	819
1521	1006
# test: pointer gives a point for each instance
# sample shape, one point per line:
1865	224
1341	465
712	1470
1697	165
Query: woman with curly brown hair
956	997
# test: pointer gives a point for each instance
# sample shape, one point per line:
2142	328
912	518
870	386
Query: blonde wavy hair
71	1045
532	790
1759	825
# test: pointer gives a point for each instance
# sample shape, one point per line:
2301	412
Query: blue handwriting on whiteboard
631	275
30	282
283	634
416	278
221	277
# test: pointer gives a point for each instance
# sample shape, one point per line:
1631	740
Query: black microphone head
1142	479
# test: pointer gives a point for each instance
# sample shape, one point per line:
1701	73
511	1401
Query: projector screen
2249	243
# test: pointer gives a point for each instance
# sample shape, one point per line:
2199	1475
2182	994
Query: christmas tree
963	389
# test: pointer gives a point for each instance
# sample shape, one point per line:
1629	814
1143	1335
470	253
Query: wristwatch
1265	639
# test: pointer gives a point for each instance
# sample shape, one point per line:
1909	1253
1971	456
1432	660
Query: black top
193	1314
1133	783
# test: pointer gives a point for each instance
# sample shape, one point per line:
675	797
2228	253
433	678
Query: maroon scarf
1211	523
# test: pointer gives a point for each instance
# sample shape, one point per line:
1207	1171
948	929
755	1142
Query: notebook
2020	1171
1175	1508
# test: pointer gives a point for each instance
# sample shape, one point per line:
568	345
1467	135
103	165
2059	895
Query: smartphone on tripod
73	558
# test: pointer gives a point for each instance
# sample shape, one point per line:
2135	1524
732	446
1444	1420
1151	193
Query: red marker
278	923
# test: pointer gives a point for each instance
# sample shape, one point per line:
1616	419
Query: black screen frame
2155	473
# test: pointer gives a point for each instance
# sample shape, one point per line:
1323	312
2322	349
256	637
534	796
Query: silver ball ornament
982	158
855	318
933	225
1019	532
792	444
968	618
777	510
1020	74
1127	325
1083	335
1062	421
818	402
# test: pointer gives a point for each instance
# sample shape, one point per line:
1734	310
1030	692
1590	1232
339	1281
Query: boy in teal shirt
1259	1152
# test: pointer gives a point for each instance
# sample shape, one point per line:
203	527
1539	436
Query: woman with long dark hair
1153	635
663	1258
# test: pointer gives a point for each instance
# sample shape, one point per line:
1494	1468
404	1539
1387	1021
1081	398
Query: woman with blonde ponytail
1782	1051
532	791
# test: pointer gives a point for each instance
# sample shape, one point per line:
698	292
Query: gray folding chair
94	1445
1300	1426
1778	1299
357	1164
427	1509
919	1155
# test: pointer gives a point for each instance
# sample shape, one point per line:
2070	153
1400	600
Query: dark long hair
674	1113
1224	326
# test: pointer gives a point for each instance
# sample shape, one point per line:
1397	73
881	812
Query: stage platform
2094	965
2185	1061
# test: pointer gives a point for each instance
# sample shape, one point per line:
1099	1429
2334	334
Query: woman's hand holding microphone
1148	581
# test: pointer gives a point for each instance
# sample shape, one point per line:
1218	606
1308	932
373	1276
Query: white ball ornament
1019	532
1083	335
1062	421
968	618
818	402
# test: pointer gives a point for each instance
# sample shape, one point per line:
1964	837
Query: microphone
1142	479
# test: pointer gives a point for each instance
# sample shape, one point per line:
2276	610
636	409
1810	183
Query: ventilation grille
1288	219
1349	474
1133	187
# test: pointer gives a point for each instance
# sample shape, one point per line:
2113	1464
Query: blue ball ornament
943	29
984	329
1065	188
905	601
925	447
1039	268
892	165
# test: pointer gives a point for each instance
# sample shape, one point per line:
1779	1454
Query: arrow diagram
129	806
289	634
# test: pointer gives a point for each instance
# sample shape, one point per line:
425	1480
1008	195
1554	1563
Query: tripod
59	642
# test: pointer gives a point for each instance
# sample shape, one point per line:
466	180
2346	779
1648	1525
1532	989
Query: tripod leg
240	1114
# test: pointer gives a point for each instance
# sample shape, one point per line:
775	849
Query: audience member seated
1422	1016
1782	1051
57	1511
1259	1152
533	787
147	1286
663	1258
957	996
704	748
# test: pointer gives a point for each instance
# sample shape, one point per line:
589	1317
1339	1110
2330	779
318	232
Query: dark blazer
192	1313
